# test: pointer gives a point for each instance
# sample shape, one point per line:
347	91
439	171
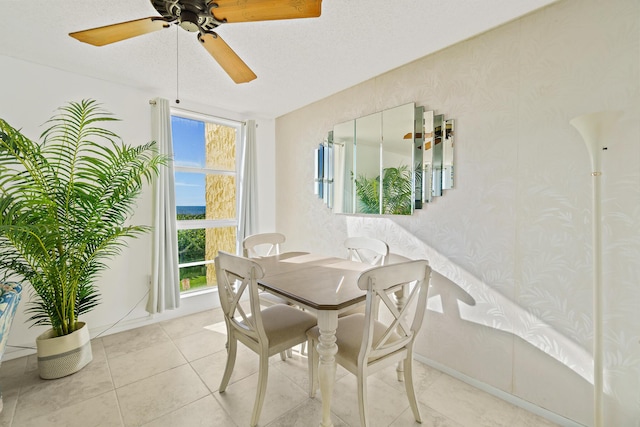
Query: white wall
31	94
266	154
511	303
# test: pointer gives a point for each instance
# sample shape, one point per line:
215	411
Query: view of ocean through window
197	211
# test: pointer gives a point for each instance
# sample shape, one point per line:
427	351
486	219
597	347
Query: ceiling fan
204	16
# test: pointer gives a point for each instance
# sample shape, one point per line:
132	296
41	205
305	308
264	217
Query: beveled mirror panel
447	156
323	170
437	164
368	143
436	156
397	160
418	155
343	167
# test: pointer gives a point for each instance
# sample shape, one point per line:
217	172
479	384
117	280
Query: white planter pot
65	355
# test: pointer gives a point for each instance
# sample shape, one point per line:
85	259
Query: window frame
210	223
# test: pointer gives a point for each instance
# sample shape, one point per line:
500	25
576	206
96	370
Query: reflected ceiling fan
204	16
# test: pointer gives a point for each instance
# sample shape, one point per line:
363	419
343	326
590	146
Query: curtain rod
198	113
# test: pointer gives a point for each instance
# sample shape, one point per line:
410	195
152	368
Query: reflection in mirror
343	167
436	159
319	171
327	173
418	150
397	159
427	157
447	156
323	170
367	167
437	169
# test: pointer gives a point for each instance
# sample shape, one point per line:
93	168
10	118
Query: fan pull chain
177	66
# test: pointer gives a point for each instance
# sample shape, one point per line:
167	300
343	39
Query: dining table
324	285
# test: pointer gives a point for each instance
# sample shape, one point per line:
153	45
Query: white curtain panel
248	205
165	289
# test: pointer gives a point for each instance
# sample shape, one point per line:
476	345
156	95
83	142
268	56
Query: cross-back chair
266	244
367	345
266	331
263	244
366	249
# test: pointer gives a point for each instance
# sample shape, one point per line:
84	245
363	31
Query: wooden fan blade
227	58
265	10
117	32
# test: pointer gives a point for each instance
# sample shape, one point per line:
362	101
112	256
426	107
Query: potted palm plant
64	207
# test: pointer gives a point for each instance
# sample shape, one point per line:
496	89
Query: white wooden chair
366	345
266	244
366	249
394	258
263	244
267	331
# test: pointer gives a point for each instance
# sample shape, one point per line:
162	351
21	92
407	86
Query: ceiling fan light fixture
189	21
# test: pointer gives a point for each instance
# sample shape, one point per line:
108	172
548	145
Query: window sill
204	291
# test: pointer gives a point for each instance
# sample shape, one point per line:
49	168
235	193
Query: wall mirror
388	163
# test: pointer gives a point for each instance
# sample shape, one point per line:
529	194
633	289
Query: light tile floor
167	374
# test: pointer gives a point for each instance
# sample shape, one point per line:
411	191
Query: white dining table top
315	281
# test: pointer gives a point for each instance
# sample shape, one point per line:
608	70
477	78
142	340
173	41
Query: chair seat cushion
282	322
350	333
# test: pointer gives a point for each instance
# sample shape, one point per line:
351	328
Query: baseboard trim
545	413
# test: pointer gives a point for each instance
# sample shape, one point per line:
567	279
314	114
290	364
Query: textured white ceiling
297	61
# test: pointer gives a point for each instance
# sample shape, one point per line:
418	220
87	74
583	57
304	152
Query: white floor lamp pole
593	128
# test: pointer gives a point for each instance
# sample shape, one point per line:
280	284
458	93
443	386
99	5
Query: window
205	185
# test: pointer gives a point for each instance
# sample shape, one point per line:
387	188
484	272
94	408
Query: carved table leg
327	349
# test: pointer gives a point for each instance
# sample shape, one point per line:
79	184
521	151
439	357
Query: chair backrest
380	283
237	275
366	249
270	241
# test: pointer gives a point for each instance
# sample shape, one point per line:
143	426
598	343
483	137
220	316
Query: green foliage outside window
191	248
